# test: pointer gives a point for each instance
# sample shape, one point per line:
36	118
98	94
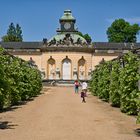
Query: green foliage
122	31
104	81
14	34
86	37
4	82
114	96
18	33
129	76
80	33
138	105
18	81
138	118
99	84
94	83
118	84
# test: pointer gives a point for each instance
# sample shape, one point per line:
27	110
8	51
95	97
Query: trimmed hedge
128	78
93	83
114	95
116	82
104	82
19	81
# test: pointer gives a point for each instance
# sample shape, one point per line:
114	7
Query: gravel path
58	114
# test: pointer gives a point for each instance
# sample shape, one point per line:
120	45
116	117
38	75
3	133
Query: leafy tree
86	37
79	33
14	34
122	31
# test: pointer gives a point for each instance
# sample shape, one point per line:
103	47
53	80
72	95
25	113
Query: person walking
76	85
83	95
84	86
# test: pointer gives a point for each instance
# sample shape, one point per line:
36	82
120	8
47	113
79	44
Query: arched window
82	69
51	68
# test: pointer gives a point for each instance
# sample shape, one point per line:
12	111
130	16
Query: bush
129	77
19	80
94	83
114	96
117	82
104	81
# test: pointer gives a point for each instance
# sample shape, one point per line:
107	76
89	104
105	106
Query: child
76	85
84	86
83	95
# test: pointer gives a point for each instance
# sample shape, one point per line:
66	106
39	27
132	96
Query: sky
40	18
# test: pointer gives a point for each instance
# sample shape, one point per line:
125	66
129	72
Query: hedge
114	95
116	81
19	81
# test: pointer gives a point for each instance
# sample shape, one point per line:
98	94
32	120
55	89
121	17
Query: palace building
67	55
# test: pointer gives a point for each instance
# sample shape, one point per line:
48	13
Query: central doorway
66	69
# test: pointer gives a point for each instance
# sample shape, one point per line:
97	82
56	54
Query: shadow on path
18	105
9	109
137	131
7	125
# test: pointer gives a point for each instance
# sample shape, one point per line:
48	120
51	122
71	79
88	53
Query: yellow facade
81	64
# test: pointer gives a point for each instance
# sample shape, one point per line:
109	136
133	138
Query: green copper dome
67	15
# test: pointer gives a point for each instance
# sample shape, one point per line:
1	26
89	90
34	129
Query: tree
79	33
18	33
11	34
86	37
14	34
122	31
12	30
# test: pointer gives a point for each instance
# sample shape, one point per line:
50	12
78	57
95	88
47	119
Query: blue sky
40	18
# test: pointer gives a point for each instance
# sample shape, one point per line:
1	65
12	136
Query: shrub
129	76
19	80
114	96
